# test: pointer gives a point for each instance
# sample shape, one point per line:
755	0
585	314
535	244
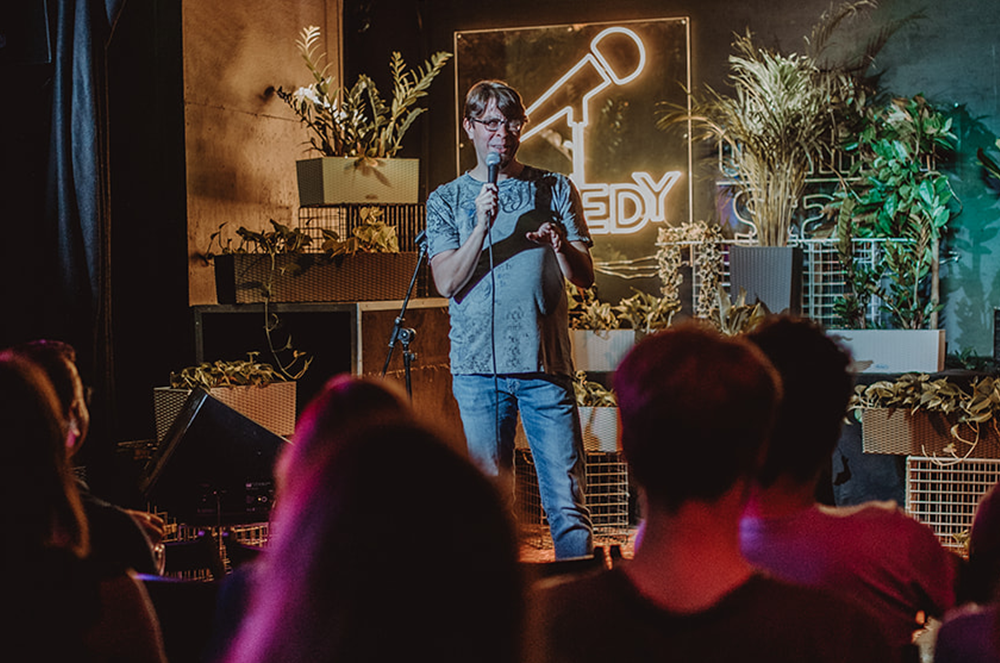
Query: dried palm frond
779	121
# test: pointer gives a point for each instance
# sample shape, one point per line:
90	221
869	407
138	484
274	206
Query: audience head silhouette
696	410
388	545
39	481
817	389
58	360
345	402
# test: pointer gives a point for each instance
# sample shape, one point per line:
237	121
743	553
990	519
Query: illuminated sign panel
592	93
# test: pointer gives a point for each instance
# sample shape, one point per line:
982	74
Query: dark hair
981	577
508	100
345	402
392	546
817	389
696	410
45	508
58	360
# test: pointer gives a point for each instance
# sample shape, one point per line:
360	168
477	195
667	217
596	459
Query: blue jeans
549	416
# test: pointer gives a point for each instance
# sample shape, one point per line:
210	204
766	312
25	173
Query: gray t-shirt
530	324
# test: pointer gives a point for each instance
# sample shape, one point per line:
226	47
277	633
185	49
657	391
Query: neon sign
636	64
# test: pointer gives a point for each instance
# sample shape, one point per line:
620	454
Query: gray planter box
772	274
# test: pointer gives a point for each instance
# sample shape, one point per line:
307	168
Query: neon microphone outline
600	64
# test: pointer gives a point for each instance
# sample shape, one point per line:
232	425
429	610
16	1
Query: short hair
508	100
58	360
817	382
696	411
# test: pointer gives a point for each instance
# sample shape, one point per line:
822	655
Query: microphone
493	166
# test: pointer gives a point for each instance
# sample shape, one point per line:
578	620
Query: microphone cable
492	163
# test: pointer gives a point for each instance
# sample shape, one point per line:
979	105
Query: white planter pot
894	350
341	180
600	350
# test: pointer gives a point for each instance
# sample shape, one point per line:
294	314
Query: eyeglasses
493	126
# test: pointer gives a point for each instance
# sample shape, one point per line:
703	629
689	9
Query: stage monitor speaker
24	32
215	466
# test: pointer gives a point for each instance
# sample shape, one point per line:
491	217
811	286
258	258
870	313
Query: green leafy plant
697	245
372	235
592	394
781	118
241	372
971	407
645	312
989	164
641	312
739	317
586	311
281	239
895	194
357	121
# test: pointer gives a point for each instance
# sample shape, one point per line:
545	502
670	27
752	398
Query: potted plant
601	334
941	418
277	266
598	409
780	122
254	389
895	195
356	132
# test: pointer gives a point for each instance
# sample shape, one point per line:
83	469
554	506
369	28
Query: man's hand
549	233
487	204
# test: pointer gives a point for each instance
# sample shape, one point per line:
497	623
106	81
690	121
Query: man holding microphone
502	239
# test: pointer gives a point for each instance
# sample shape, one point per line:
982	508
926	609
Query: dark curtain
76	216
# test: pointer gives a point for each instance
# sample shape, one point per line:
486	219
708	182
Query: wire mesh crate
944	496
823	277
409	220
607	497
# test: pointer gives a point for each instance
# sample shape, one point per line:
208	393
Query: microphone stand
405	335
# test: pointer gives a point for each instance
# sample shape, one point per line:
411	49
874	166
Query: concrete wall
241	140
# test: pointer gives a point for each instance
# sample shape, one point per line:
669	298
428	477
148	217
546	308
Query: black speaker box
215	466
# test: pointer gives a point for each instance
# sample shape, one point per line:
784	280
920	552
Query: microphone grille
493	159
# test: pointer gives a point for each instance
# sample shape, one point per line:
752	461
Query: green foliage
281	239
894	194
702	243
592	394
974	406
739	317
210	375
372	235
968	360
989	164
586	311
357	121
782	117
642	311
645	312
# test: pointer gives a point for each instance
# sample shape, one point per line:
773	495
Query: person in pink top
873	553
